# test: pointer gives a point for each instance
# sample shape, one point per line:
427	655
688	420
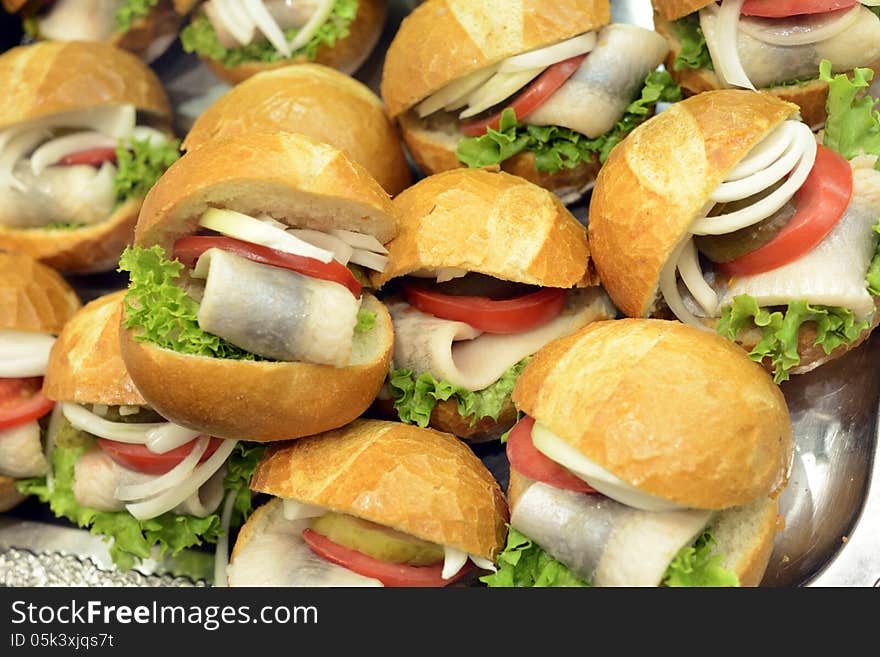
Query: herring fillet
768	64
276	313
833	273
21	451
612	75
602	541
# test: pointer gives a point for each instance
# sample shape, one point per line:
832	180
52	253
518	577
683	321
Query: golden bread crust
33	297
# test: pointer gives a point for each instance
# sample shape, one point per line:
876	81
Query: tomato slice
188	249
93	156
390	574
785	8
820	202
535	95
141	459
502	316
22	400
525	458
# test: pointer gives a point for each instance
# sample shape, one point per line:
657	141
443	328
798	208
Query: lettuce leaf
853	123
130	11
164	313
873	276
139	166
696	565
199	37
525	564
416	396
366	320
779	341
694	52
557	148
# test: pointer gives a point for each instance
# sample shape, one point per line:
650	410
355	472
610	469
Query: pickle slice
724	248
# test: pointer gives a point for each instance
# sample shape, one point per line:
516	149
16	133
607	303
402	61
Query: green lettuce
873	276
694	52
697	565
366	320
199	37
139	166
557	148
780	329
416	396
853	123
164	313
132	10
525	564
133	539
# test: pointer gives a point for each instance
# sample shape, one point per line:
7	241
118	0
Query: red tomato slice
93	156
820	202
21	400
785	8
525	458
503	316
390	574
139	458
540	89
188	250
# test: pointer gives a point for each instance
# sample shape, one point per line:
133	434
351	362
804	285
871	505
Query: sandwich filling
790	237
254	289
764	44
580	525
469	338
301	544
235	32
73	170
568	103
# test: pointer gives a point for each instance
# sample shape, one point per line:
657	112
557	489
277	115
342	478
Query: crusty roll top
680	413
492	223
657	180
674	9
443	40
293	178
317	101
54	76
33	297
418	481
85	365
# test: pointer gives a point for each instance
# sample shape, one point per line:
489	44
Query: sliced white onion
151	135
169	499
129	410
550	55
235	19
206	499
799	30
174	477
500	87
24	353
692	275
244	227
307	31
16	148
54	150
100	409
485	564
761	156
369	260
870	3
87	421
723	47
221	553
669	289
168	436
453	561
341	251
360	240
267	25
455	94
296	510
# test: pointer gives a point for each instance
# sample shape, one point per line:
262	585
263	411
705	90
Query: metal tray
831	505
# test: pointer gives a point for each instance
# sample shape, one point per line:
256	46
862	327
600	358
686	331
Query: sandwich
773	46
144	27
317	101
372	504
772	239
238	38
545	90
121	469
244	317
486	270
35	303
84	133
649	454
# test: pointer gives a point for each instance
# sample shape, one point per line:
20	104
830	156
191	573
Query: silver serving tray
831	505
